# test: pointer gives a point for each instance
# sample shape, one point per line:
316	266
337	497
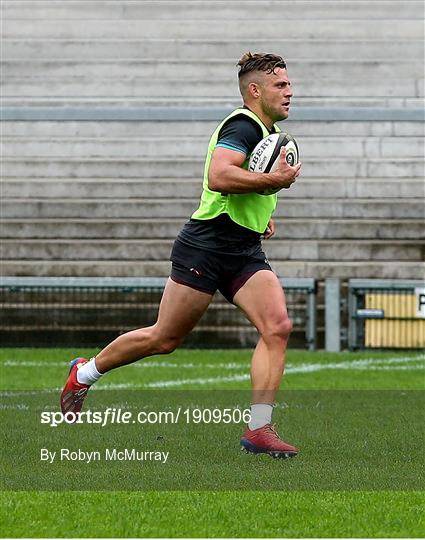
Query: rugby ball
265	156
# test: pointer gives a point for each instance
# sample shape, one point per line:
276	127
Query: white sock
261	414
87	373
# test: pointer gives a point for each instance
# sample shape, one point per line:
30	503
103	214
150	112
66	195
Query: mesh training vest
249	210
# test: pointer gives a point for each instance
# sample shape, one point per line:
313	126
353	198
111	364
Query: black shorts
208	271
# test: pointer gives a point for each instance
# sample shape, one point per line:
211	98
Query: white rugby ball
265	156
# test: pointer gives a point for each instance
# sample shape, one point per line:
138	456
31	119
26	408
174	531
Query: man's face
275	94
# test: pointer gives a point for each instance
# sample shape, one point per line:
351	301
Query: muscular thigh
262	300
180	309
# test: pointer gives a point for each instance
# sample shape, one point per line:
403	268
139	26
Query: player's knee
155	342
162	342
287	327
167	345
279	329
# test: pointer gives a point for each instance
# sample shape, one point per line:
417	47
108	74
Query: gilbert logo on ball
265	156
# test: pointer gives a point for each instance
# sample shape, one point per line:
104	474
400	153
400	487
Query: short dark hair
260	62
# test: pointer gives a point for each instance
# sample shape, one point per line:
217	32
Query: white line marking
360	364
177	365
230	366
375	364
208	380
231	378
365	363
20	406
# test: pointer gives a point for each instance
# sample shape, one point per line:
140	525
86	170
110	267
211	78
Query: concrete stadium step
216	28
314	269
307	188
213	67
198	10
227	103
168	228
162	208
292	50
158	250
193	168
339	85
134	228
74	203
332	147
177	130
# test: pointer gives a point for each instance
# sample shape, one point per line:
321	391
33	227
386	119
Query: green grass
208	514
236	513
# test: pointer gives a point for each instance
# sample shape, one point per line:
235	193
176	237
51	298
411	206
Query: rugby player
219	248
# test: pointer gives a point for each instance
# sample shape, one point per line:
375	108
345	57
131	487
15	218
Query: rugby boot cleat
73	392
265	440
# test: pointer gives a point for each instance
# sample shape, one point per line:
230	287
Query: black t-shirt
242	134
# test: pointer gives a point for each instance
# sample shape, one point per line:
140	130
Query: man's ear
254	89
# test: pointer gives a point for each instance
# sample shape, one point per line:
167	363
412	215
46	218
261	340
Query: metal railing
62	311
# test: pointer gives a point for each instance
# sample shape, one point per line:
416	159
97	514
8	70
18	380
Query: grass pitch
236	513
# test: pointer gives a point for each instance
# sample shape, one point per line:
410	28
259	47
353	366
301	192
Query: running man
219	248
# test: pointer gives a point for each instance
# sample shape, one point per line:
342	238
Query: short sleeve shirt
241	134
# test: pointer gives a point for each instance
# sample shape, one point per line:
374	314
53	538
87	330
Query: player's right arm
226	174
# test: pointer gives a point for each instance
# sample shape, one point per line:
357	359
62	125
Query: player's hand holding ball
285	173
277	156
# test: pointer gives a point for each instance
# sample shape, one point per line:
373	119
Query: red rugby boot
265	440
73	392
